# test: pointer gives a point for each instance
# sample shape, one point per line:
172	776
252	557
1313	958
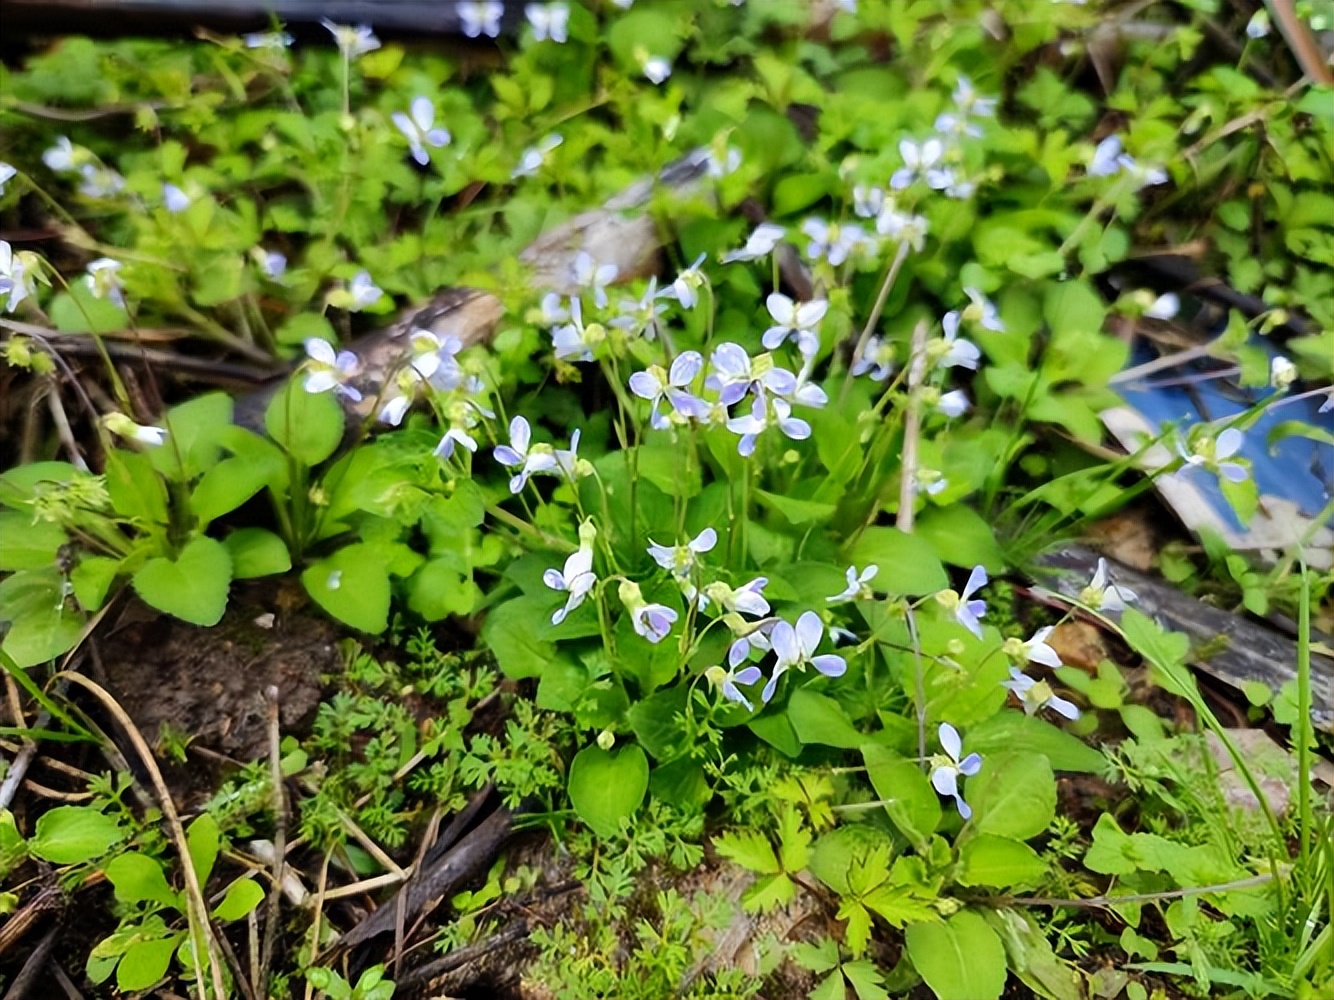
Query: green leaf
227	485
607	786
1014	795
136	490
511	632
193	430
797	511
750	849
867	981
437	590
961	537
28	544
1112	850
70	835
961	958
1032	958
296	330
92	579
138	878
1015	730
908	566
203	839
309	426
909	799
817	718
242	897
144	963
80	311
353	586
193	587
257	552
986	859
44	624
776	729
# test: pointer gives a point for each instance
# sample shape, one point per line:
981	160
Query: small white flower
418	127
364	291
98	181
480	17
1212	453
727	680
576	341
982	311
685	289
967	612
949	769
1102	595
957	352
1037	695
535	157
1035	650
103	280
967	100
953	404
267	40
454	436
16	282
681	560
798	322
122	426
877	358
519	453
659	386
63	156
273	264
549	21
833	242
1282	372
920	161
640	316
576	579
748	599
1258	26
7	174
335	580
794	647
868	202
327	370
1164	307
656	69
759	244
590	275
174	198
1105	158
352	41
857	589
902	227
766	412
721	165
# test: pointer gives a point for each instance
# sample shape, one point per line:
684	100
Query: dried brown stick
33	966
273	911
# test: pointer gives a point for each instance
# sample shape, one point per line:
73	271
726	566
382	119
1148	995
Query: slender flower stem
891	276
912	430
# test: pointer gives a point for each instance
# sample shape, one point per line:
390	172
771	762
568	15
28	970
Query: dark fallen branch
1248	652
442	877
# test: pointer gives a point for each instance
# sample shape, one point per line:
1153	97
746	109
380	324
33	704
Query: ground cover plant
710	568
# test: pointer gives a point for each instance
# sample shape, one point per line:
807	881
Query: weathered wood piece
620	232
1252	652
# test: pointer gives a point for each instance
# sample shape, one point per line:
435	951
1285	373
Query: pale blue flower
949	769
480	17
954	403
1103	595
352	41
326	370
767	412
1213	453
921	161
594	277
63	156
364	291
685	289
576	579
103	280
1037	695
454	436
728	681
532	159
273	264
653	621
735	373
795	645
833	242
969	611
99	181
877	359
759	244
857	588
799	322
658	386
519	453
958	351
418	127
174	198
267	40
549	21
7	174
656	69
